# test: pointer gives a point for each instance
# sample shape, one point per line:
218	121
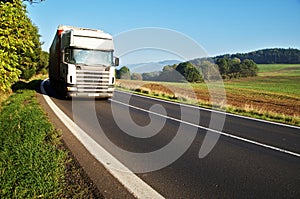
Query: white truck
82	63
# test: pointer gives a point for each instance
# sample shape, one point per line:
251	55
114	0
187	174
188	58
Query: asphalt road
234	168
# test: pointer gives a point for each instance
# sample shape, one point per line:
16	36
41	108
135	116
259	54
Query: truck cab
82	62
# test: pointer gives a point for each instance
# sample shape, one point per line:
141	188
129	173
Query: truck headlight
71	88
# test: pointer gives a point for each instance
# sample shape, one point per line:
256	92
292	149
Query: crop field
274	94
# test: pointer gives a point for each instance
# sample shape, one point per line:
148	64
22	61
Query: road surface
251	158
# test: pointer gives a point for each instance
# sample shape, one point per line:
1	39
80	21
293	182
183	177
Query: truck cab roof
84	32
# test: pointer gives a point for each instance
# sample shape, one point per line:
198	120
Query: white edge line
212	130
130	181
212	110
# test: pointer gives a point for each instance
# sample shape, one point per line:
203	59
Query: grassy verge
273	95
33	160
30	166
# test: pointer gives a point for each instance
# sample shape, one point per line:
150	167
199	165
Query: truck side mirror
116	61
62	56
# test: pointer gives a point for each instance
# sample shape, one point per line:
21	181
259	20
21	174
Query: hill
268	56
151	66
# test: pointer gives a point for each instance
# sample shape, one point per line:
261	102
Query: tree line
198	70
21	55
269	56
229	65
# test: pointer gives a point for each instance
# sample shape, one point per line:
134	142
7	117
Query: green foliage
170	74
8	71
209	70
169	68
43	63
269	56
234	68
19	44
189	72
123	73
223	66
249	68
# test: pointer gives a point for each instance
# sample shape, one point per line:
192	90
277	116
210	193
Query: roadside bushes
20	47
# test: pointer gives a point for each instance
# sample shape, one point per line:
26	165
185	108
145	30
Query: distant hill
151	66
269	56
264	56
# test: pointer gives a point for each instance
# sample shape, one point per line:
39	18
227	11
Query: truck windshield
89	57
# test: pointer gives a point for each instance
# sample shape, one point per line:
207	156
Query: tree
123	73
168	68
223	64
189	72
43	63
30	56
209	70
169	74
251	67
136	76
19	44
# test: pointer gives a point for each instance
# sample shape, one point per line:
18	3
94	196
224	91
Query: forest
269	56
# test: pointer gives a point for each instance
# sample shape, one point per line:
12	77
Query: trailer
82	63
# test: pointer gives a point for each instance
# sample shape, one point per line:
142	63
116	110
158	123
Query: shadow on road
51	92
35	85
32	85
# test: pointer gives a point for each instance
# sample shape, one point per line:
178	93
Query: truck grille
92	81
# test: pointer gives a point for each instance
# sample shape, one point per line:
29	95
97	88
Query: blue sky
219	26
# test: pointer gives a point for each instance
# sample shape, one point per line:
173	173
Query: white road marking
211	110
131	182
212	130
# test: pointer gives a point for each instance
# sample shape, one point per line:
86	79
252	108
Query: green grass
30	164
288	86
263	68
282	79
279	70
